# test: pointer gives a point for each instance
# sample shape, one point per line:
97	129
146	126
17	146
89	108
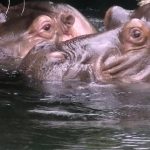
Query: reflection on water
73	116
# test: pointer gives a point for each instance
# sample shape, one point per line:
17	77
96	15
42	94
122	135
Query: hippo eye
47	27
135	33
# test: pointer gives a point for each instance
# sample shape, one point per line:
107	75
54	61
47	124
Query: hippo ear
68	20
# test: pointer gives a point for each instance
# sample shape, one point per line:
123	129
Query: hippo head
133	65
19	34
37	23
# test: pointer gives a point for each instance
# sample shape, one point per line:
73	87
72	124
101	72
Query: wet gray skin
58	10
70	60
134	64
121	54
39	22
116	15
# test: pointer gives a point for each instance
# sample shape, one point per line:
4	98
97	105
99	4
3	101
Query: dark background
103	4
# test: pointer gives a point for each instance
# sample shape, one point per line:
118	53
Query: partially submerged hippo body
121	54
116	15
38	22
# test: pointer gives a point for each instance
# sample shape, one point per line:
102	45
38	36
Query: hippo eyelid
46	27
136	33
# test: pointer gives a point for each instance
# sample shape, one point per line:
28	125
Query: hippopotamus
116	15
133	65
122	53
42	21
81	25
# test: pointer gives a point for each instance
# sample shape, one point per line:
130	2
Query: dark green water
74	116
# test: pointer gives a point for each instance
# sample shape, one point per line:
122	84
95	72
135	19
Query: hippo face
39	22
135	35
133	65
18	38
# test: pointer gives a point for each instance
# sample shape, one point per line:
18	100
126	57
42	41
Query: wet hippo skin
70	60
38	22
120	54
116	15
81	25
134	63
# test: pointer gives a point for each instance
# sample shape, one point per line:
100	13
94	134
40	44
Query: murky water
74	116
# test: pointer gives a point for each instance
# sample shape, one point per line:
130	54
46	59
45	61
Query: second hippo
39	22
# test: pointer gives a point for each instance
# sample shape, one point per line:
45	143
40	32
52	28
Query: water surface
74	116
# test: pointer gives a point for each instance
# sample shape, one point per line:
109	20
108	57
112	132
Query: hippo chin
121	54
42	21
116	15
